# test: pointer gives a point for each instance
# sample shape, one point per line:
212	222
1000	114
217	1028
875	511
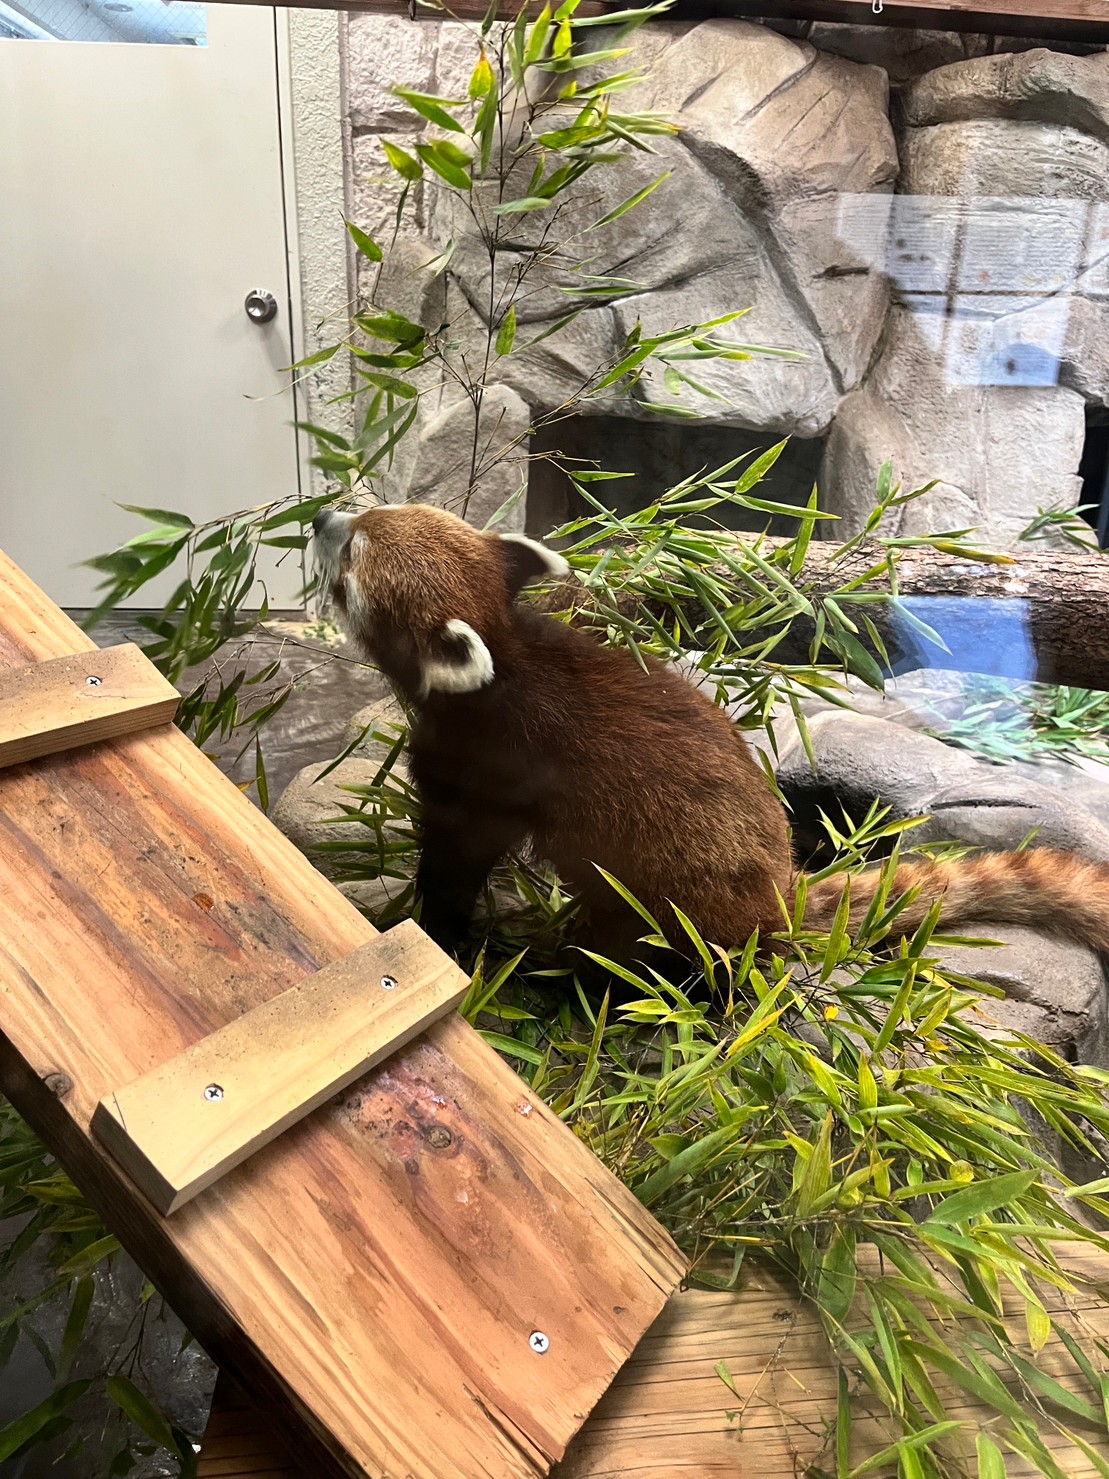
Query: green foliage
1062	523
48	1214
1004	721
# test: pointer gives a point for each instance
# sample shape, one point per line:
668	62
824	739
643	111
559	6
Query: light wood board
668	1415
180	1128
1080	20
68	701
374	1291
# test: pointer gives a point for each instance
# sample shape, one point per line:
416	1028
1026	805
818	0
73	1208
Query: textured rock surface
780	396
740	223
993	809
957	327
997	451
756	91
1055	992
862	759
440	469
306	810
1039	86
904	53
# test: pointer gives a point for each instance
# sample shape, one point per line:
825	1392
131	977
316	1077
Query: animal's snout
319	523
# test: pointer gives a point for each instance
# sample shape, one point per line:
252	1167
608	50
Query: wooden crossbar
68	701
179	1128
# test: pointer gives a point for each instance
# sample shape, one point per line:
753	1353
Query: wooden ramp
668	1414
427	1276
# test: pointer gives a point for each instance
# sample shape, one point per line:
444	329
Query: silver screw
93	682
213	1092
388	983
539	1342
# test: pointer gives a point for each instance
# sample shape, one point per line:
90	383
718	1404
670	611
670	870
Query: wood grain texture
371	1290
64	702
177	1130
666	1415
1077	20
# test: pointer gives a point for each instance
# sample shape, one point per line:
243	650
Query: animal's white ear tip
555	563
473	672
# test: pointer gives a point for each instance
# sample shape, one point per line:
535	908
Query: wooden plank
372	1286
68	701
181	1127
418	10
1063	20
666	1414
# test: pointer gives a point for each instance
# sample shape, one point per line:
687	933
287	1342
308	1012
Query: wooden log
1045	608
180	1128
374	1276
67	701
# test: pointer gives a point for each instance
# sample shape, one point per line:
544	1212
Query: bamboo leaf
408	167
431	108
482	80
632	201
139	1408
506	335
983	1197
364	242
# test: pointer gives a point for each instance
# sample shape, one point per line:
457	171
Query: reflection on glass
156	22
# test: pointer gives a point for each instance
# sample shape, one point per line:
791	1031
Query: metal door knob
260	306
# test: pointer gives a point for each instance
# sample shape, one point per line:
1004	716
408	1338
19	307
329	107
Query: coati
527	728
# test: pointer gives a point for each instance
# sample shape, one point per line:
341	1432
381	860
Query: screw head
539	1342
439	1136
213	1092
93	681
389	983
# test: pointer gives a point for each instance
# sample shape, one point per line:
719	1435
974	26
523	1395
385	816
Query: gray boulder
903	52
995	157
439	472
781	396
1061	985
861	759
1029	460
374	729
1039	86
738	90
993	809
307	809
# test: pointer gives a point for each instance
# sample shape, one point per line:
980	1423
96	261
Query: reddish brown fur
601	763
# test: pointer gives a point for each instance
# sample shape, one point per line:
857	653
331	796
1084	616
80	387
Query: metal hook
876	6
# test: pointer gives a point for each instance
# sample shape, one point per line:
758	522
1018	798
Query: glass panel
158	22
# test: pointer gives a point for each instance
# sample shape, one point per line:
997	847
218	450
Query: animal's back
653	783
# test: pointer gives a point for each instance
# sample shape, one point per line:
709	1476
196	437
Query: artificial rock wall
923	216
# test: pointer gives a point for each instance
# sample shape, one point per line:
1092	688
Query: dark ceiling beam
1048	20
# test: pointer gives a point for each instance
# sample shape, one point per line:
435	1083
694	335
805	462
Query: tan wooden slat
67	701
180	1128
372	1286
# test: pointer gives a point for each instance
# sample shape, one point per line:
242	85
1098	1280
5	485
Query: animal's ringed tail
1056	892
